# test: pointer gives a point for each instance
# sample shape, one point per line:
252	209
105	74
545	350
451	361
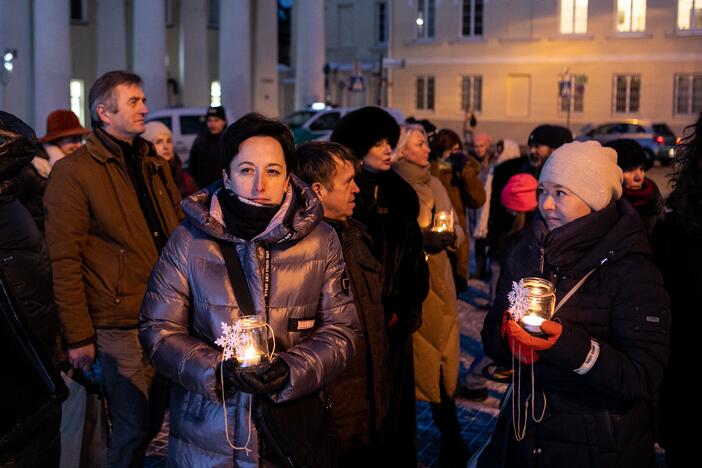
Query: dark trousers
401	423
453	451
135	401
480	249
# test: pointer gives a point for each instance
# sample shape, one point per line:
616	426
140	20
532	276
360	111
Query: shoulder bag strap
573	290
237	279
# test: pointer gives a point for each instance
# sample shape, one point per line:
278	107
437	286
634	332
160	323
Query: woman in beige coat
436	343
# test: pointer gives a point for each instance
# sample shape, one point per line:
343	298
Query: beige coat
437	342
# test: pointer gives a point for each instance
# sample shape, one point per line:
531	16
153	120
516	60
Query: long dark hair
686	199
444	140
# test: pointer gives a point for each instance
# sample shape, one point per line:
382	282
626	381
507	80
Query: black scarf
244	220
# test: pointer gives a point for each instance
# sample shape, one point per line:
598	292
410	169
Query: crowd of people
122	268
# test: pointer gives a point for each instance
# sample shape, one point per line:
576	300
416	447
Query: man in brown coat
109	209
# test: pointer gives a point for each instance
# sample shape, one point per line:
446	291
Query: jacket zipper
541	261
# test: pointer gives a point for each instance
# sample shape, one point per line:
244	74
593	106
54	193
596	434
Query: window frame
690	109
573	19
691	25
470	105
461	20
573	98
630	29
427	31
428	93
627	98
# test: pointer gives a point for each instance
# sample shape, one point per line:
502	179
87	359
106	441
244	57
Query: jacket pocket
650	319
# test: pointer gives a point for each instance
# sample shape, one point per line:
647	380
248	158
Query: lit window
425	93
689	15
631	15
573	16
426	19
472	93
626	94
215	94
472	18
77	99
381	22
688	94
571	93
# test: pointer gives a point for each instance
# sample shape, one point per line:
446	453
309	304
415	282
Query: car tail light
659	139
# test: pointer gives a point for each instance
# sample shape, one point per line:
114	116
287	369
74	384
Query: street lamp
8	59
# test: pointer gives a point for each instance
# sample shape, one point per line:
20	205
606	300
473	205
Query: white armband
590	359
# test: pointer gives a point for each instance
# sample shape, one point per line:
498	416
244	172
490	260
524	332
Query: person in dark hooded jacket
581	393
388	207
30	400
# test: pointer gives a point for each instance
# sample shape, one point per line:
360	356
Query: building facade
520	63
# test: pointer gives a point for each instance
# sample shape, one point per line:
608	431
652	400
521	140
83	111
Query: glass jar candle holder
251	349
541	304
443	222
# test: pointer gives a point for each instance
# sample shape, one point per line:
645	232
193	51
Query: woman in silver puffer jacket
259	207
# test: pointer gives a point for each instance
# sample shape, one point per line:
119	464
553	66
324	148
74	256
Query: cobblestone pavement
477	419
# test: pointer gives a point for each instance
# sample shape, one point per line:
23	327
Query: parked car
656	138
318	124
185	123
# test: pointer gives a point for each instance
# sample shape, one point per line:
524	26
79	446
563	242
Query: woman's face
633	178
69	144
258	173
164	145
417	150
378	157
447	152
559	206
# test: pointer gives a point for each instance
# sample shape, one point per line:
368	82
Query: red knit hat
520	193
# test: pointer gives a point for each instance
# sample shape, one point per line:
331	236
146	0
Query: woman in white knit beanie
582	389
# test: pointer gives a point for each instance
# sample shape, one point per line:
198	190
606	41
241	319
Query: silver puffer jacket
189	296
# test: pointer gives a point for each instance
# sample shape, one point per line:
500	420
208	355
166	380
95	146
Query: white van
185	123
318	124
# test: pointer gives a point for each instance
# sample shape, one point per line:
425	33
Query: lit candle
443	221
532	322
250	357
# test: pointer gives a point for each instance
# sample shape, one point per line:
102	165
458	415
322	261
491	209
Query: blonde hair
406	131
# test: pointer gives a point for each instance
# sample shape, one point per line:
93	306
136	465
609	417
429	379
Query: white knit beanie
587	169
153	129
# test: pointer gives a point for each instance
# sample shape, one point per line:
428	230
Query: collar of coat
601	237
299	214
101	147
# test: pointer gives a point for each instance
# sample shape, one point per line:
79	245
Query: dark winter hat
216	111
18	145
630	154
361	129
552	136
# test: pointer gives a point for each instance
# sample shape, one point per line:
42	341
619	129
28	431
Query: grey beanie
587	169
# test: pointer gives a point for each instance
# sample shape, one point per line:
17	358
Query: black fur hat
630	154
361	129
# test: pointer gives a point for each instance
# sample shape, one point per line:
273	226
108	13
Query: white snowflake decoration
233	341
518	300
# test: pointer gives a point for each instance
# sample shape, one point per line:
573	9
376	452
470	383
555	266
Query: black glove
435	242
265	379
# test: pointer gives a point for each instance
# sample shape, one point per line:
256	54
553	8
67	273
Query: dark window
627	93
325	122
213	14
430	93
472	17
420	93
192	124
381	15
79	11
688	94
471	93
298	119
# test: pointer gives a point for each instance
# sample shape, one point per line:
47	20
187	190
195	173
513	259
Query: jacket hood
510	150
18	145
299	214
604	236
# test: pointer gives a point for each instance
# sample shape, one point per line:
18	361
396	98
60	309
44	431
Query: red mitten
524	346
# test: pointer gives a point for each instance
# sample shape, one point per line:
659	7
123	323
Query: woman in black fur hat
389	207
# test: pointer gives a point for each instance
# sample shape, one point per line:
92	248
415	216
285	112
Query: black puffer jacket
362	393
388	207
602	418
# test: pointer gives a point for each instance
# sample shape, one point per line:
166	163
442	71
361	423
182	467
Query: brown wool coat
468	192
101	248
